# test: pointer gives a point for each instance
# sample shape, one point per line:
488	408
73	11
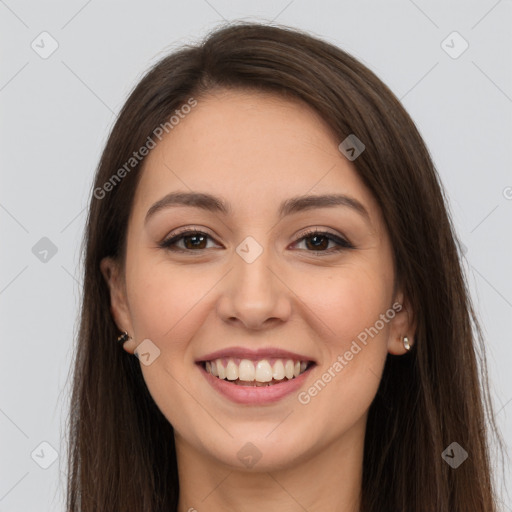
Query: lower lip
255	395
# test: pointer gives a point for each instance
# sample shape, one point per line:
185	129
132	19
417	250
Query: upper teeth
260	371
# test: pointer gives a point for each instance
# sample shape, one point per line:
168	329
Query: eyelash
342	243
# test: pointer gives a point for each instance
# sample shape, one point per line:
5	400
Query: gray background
57	111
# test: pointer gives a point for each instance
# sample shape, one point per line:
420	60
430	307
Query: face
264	280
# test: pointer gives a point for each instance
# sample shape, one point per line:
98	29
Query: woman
269	244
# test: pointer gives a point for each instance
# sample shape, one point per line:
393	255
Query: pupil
197	240
318	244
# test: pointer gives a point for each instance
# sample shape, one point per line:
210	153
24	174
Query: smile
257	373
257	377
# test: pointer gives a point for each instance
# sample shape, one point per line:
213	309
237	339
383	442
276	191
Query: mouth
263	372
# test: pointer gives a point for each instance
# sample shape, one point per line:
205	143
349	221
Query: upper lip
256	354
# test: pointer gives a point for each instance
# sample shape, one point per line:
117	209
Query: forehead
254	149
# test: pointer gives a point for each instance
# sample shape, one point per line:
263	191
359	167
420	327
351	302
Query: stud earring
405	341
123	337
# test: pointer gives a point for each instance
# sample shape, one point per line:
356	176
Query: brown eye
315	241
319	241
192	240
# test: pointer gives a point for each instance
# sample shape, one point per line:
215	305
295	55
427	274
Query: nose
254	294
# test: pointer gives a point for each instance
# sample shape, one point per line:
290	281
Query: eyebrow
290	206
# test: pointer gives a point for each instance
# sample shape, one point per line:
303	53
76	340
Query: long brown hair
122	453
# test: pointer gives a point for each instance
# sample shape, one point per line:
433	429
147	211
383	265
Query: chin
259	450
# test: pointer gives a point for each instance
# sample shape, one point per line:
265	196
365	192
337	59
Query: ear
112	272
403	324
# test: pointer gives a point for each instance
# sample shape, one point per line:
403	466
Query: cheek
349	307
166	301
168	306
350	304
346	301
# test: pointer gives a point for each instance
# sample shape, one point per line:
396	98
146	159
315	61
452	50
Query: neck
328	480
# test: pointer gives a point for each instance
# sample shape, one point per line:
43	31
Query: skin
255	150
